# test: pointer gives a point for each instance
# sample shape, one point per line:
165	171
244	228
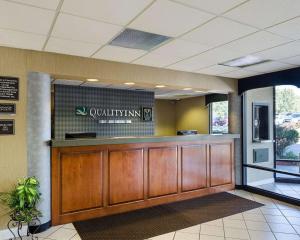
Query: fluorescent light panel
245	61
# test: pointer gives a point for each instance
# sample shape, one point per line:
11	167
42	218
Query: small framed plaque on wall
7	108
9	88
147	114
7	127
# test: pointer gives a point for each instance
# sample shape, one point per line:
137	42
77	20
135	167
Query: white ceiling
204	32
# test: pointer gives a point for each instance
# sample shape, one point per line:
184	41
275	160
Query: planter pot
32	228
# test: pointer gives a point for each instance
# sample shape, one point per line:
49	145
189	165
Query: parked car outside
279	119
283	118
295	117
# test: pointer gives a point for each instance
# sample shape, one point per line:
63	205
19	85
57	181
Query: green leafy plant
290	155
285	137
22	200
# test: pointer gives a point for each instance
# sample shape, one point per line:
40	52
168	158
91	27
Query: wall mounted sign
7	127
9	88
7	108
118	115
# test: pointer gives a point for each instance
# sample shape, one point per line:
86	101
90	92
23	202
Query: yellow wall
18	62
165	122
191	113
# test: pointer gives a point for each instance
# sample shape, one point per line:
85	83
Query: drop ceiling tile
17	39
265	13
216	69
289	29
82	29
293	60
206	59
255	42
111	11
16	16
180	48
282	51
214	6
169	18
239	74
218	31
119	54
269	67
49	4
157	60
71	47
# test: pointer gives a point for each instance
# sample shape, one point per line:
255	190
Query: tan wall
17	63
165	118
191	113
13	152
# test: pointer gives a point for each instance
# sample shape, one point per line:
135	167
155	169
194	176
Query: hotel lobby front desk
103	176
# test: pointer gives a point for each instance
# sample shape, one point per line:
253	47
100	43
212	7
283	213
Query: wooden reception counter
103	176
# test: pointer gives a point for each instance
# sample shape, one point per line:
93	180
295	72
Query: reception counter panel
98	177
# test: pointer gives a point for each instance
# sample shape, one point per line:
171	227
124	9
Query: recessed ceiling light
187	89
199	91
129	83
160	86
244	61
92	80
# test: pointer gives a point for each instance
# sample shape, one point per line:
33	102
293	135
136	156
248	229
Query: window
260	122
219	117
287	130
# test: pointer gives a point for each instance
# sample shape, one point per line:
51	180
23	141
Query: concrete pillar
235	126
38	137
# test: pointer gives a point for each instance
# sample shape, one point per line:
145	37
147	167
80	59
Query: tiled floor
276	220
287	189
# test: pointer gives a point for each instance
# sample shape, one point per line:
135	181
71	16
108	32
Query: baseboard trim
239	187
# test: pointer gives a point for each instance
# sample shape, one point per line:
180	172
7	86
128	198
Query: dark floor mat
150	222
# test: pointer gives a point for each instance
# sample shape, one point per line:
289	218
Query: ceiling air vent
135	39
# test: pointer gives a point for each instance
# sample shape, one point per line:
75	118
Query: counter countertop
138	139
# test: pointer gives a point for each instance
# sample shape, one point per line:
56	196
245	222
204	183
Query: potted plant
22	203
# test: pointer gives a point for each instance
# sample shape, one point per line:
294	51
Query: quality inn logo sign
109	115
81	111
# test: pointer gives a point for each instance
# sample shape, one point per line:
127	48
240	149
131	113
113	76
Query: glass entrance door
273	165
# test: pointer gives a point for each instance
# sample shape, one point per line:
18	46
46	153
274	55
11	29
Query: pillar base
39	228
